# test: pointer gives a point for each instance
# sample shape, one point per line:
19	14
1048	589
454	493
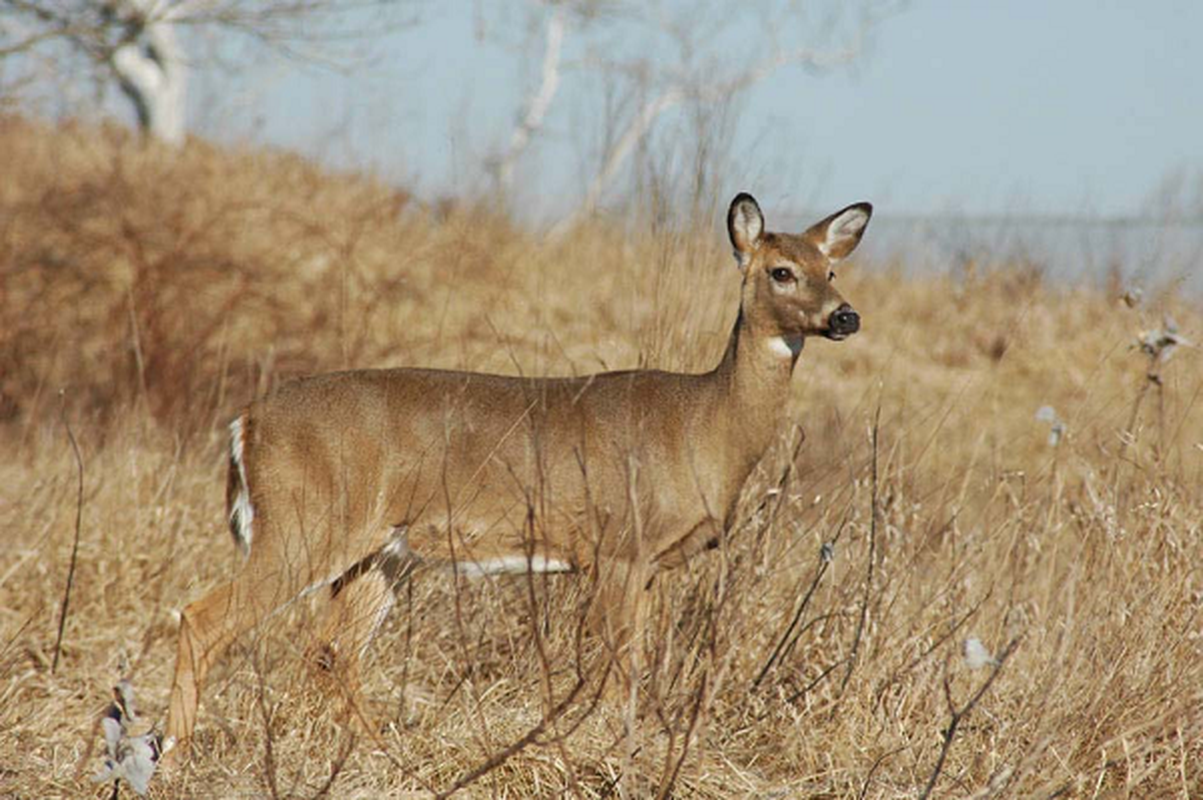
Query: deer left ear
838	235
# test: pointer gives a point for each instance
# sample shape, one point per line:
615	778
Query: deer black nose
844	320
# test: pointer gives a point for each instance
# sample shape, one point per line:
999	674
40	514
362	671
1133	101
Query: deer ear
745	224
838	235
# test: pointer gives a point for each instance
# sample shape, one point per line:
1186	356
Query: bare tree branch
695	79
635	133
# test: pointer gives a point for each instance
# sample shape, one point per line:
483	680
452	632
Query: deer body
346	479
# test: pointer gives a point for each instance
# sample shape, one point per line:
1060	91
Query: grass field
145	295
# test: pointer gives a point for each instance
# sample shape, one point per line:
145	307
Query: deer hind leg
267	583
207	628
360	600
617	614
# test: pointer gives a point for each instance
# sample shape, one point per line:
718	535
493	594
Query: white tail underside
242	513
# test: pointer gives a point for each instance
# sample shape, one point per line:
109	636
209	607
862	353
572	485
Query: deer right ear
839	234
745	224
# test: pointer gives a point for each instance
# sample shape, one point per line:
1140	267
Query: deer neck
753	380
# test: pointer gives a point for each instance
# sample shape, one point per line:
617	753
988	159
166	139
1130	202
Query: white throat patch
786	346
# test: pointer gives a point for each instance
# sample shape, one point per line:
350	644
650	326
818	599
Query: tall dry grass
160	290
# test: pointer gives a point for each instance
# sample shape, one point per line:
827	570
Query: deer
345	481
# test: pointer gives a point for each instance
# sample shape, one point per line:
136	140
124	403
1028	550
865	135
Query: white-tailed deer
345	480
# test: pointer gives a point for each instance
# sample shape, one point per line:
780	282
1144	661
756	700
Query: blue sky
1064	108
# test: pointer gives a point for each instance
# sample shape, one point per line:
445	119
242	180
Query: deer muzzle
842	323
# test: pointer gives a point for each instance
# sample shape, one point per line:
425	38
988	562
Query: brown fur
620	475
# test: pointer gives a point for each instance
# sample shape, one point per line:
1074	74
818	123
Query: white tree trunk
540	102
153	75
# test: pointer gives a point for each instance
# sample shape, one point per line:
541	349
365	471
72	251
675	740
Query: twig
336	768
864	789
535	618
805	690
378	740
12	639
779	650
269	756
695	714
934	646
79	510
1129	437
782	493
959	714
864	604
532	736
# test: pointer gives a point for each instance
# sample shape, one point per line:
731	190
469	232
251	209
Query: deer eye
782	275
830	276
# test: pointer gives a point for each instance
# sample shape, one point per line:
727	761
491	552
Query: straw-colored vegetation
159	291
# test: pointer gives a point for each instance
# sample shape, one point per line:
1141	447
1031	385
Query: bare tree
148	47
670	56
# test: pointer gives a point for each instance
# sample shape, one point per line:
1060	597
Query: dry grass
162	290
